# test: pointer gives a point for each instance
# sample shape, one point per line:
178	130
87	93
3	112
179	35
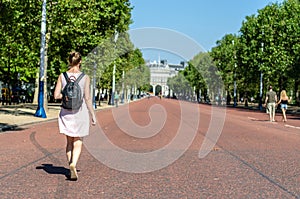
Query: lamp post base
111	100
260	104
234	102
40	112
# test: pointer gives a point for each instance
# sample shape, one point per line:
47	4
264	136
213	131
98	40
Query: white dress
74	123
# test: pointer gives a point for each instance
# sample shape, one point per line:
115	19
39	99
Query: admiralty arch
159	73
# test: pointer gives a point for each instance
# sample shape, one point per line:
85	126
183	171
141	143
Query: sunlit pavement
253	158
13	117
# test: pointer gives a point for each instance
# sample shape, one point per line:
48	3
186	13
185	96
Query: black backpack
71	94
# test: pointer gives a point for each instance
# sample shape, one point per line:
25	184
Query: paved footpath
13	117
253	158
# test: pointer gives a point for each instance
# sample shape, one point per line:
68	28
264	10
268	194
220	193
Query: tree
268	43
109	53
72	25
271	42
84	25
180	86
291	8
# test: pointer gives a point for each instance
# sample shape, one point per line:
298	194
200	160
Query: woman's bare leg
284	115
69	149
77	145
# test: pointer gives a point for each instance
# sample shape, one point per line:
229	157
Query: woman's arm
88	100
279	101
57	91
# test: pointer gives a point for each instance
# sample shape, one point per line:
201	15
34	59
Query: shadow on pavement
16	112
295	118
8	127
293	113
49	168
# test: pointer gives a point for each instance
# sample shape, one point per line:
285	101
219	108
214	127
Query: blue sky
204	21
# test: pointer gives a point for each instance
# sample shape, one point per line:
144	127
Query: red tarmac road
253	158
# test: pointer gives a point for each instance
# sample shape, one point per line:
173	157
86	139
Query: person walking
74	124
283	101
270	103
117	99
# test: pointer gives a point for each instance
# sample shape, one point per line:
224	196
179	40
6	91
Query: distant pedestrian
159	95
75	123
128	98
217	100
270	103
117	99
284	100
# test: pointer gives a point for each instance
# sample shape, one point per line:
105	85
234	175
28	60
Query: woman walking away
284	99
74	122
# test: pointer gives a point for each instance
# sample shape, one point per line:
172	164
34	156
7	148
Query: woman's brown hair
74	58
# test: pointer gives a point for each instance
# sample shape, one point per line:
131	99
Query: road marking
252	118
255	119
286	125
290	126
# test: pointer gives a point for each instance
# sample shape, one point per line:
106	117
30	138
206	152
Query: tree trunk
296	92
228	99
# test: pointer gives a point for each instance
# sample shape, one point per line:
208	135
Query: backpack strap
77	80
66	76
80	77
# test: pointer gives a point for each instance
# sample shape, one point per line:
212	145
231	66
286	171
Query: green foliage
199	76
138	77
202	69
84	26
19	38
118	51
79	25
179	84
268	43
137	74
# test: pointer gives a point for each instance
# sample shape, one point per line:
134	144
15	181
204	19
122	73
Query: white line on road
252	118
286	125
290	126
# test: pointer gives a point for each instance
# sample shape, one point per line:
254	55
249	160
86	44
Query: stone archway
151	89
158	89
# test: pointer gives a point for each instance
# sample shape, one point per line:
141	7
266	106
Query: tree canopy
71	25
80	25
267	43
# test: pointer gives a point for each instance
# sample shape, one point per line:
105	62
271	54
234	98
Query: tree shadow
16	112
8	127
294	117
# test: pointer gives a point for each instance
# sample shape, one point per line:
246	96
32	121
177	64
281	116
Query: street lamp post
40	112
234	92
94	85
261	81
234	88
94	80
114	74
123	77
